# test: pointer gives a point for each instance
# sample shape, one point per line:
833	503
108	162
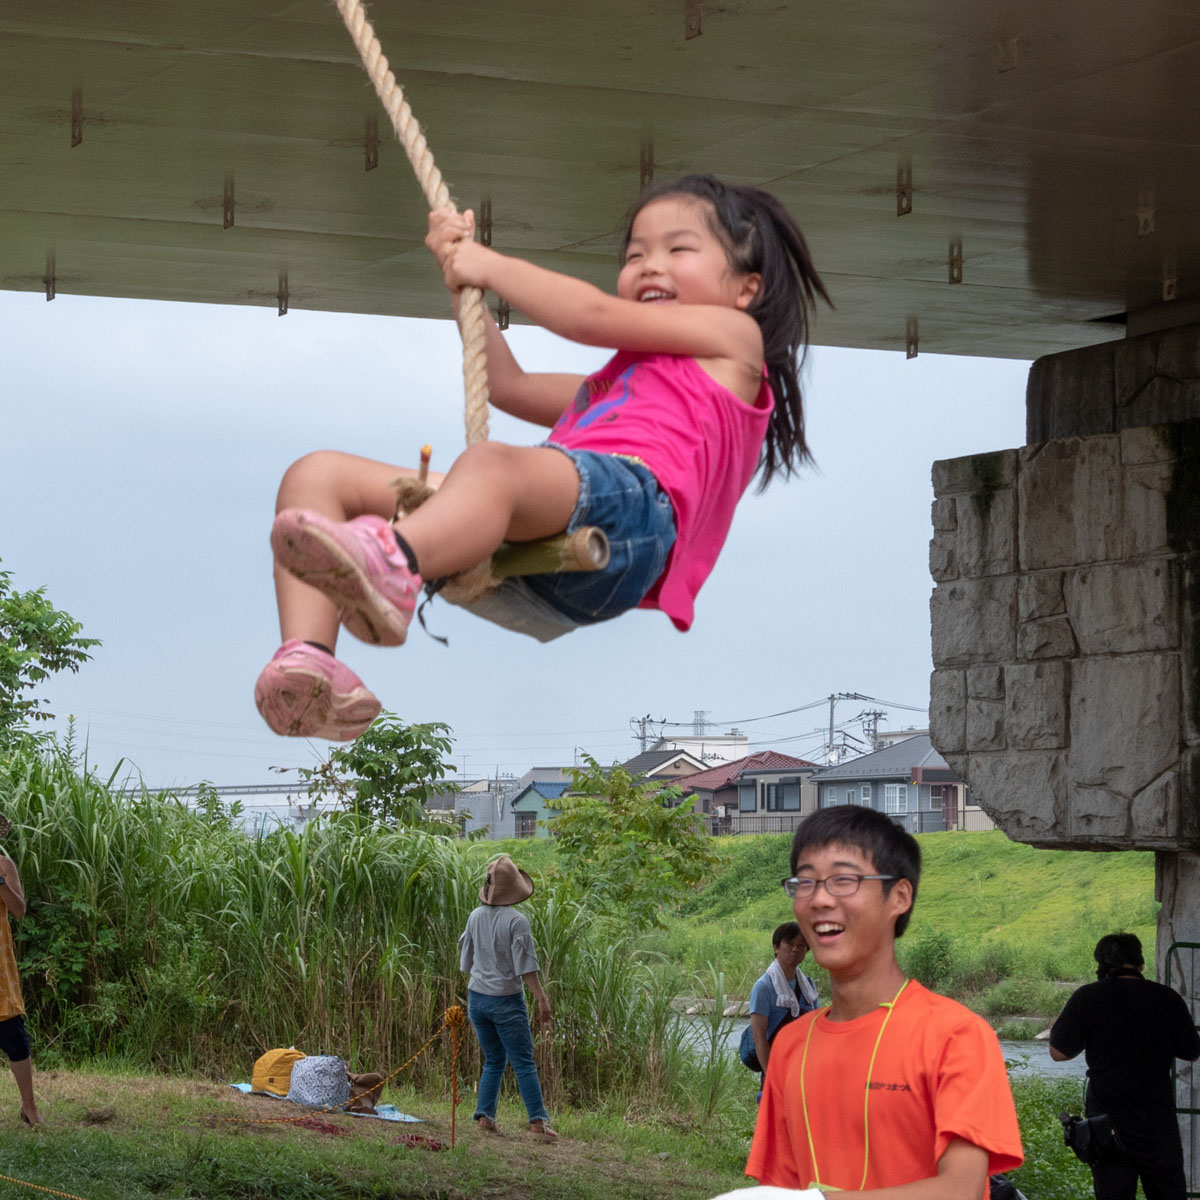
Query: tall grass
164	935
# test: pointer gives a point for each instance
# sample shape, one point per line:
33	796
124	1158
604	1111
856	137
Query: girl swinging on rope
710	324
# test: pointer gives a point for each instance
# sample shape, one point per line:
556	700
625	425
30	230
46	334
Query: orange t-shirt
938	1074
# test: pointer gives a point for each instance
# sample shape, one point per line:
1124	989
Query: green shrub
1019	1029
1021	997
929	959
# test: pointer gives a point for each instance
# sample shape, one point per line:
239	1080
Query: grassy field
997	923
128	1137
1006	927
134	1137
115	1136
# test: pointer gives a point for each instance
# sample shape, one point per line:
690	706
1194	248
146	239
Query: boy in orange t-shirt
892	1092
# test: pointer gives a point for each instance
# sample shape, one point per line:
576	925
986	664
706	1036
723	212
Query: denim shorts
622	497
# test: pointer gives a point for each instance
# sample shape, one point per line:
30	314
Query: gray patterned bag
319	1080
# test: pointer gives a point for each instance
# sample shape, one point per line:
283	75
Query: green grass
988	911
121	1137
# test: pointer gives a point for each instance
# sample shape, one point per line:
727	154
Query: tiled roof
899	759
639	764
547	791
765	760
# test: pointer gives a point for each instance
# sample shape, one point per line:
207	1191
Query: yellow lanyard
812	1150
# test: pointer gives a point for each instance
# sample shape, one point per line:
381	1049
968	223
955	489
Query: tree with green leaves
389	774
36	641
629	849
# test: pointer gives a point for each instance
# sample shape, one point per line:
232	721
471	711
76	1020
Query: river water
1024	1058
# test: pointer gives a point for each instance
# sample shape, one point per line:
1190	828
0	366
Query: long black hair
760	237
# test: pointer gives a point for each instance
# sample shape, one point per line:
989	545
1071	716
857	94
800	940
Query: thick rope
471	312
37	1187
456	1018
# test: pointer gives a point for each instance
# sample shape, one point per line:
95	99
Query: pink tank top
700	441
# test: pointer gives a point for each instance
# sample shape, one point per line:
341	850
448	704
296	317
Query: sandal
542	1130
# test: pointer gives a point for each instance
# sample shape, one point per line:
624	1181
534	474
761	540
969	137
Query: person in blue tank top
779	996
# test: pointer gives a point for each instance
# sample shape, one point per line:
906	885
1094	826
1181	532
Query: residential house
910	781
663	764
530	809
767	792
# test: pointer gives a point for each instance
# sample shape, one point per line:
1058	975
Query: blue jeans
623	498
502	1026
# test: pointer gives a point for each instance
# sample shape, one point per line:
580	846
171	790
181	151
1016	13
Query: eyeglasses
804	887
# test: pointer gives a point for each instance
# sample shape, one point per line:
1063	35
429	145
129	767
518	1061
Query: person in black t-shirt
1131	1030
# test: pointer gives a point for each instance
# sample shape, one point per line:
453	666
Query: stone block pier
1066	626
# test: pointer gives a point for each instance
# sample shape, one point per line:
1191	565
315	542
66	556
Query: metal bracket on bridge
372	143
903	186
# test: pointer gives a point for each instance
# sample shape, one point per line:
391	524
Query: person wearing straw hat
496	951
14	1040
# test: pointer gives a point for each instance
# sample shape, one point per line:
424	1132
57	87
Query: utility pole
870	722
641	728
832	701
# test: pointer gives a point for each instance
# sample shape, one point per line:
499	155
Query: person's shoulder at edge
794	1030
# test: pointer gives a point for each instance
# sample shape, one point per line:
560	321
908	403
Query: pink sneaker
304	692
357	564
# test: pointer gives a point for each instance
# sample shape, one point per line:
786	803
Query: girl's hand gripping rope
448	229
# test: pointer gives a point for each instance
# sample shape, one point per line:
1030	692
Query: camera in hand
1089	1137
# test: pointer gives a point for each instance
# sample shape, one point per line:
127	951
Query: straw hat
506	883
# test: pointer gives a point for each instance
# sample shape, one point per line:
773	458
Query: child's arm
539	397
577	310
11	892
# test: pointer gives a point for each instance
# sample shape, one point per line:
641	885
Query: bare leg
340	486
23	1074
492	493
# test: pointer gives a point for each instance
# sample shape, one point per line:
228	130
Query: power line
787	712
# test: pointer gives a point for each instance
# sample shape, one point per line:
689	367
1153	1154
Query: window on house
831	797
772	791
526	824
747	797
895	797
865	793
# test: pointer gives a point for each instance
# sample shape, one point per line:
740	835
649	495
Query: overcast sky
142	443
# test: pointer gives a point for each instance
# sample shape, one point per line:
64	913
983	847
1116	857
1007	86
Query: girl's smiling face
673	257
